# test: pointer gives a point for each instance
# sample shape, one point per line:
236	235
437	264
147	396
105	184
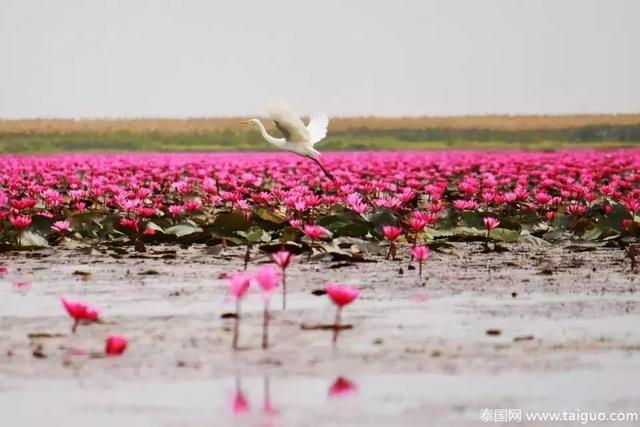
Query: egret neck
278	142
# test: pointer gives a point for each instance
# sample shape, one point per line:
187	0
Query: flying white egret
297	138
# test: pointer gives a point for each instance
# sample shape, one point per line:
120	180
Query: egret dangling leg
296	137
327	173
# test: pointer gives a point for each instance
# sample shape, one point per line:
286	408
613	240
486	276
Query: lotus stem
265	326
247	257
336	326
284	290
236	325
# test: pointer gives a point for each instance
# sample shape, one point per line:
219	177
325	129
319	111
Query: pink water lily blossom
115	345
420	253
283	258
61	226
20	221
341	296
315	232
391	233
239	284
490	223
80	312
413	188
268	279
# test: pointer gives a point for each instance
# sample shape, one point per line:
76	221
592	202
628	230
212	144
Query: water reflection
21	287
342	387
239	403
267	407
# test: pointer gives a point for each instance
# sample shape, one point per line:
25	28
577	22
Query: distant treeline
600	133
46	140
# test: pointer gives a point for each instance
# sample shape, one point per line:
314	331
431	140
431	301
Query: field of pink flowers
266	200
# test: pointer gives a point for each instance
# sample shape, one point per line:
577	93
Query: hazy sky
98	58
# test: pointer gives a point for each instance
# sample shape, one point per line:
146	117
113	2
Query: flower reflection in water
267	406
239	403
342	387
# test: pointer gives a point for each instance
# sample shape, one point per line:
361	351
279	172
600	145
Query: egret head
254	122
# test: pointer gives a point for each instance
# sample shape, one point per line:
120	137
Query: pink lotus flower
130	223
576	210
420	253
20	221
61	226
341	296
391	233
145	211
175	211
139	186
296	223
543	198
268	278
355	202
632	205
283	258
192	206
80	312
342	387
510	197
417	224
115	345
315	232
490	223
23	204
436	207
239	285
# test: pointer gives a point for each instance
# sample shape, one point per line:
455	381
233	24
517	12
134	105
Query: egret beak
246	122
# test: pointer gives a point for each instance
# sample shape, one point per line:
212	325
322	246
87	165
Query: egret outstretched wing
289	123
317	128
